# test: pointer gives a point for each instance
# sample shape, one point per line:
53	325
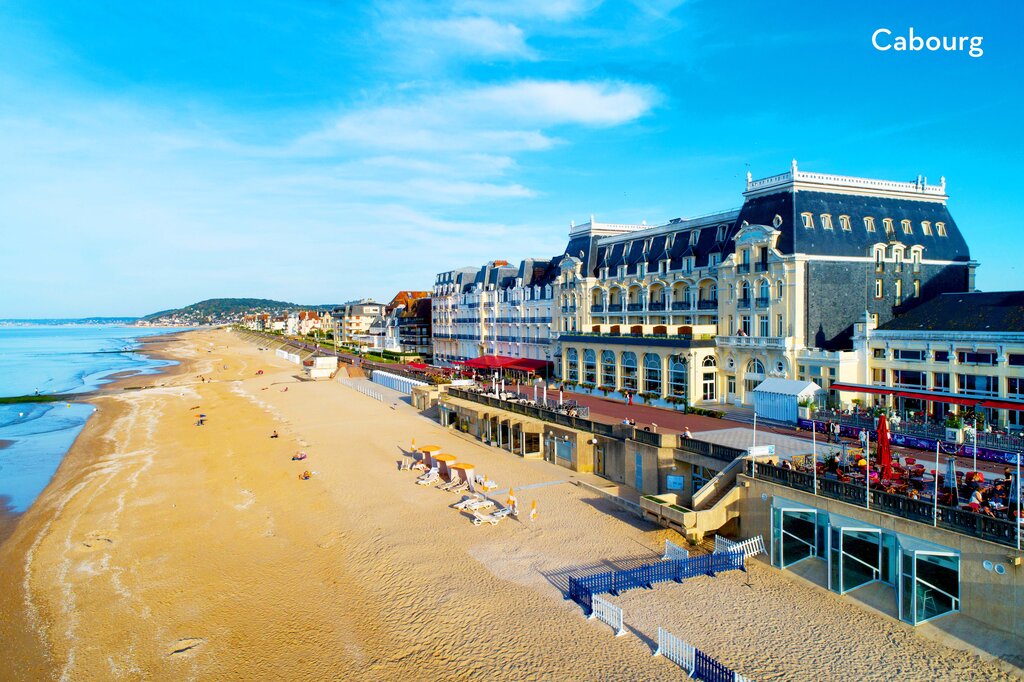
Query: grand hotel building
702	310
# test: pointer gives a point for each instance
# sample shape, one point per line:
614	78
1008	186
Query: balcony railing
615	307
743	303
656	305
760	267
597	308
772	342
950	518
743	268
762	301
708	304
634	307
680	305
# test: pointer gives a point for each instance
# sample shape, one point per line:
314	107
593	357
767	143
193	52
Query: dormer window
720	236
826	221
940	228
694	236
808	220
888	224
869	223
926	228
844	223
907	229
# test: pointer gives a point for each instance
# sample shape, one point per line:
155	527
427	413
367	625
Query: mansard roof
998	311
795	238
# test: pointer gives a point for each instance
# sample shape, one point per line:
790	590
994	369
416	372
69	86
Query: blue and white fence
365	390
609	613
395	382
694	661
583	589
750	547
675	650
675	552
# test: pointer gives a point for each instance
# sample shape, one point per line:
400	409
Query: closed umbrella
883	450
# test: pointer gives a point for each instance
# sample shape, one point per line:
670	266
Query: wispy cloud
473	35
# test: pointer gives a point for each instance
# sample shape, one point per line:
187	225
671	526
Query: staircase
713	506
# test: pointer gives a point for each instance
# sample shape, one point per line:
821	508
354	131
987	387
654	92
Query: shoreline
166	550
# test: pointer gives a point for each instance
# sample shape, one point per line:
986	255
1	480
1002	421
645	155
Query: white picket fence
609	613
675	650
674	551
750	547
365	390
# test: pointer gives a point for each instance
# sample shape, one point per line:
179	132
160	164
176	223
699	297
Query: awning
490	362
933	396
529	365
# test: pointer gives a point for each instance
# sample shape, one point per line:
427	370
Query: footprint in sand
185	645
329	540
248	498
98	539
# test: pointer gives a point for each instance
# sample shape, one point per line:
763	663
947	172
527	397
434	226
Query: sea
61	359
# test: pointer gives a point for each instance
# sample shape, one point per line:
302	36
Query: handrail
711	486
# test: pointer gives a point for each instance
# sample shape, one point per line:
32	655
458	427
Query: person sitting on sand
274	434
305	475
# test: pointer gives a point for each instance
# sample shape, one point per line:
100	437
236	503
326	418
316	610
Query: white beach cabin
777	399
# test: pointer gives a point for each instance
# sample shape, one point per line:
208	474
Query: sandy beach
165	550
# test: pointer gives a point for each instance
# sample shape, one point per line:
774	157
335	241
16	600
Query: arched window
572	365
678	377
779	289
754	376
744	293
652	373
589	367
629	373
755	367
709	383
608	369
764	290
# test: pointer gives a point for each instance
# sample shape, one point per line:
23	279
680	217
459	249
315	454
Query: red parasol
884	451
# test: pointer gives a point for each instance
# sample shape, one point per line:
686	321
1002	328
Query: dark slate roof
795	238
1001	311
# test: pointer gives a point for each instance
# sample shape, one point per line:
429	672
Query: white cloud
471	35
496	119
556	10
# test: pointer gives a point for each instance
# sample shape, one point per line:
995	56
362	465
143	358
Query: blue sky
155	154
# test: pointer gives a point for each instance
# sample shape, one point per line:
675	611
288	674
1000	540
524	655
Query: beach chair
429	478
464	503
493	518
419	465
449	485
479	504
403	465
459	486
433	472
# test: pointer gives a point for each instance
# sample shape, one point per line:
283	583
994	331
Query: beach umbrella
883	450
533	511
951	480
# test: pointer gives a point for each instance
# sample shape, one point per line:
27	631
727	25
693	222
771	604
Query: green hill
219	310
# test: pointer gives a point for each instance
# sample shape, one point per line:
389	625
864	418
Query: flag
533	511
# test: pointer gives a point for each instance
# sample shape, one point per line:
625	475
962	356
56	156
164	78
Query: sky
154	154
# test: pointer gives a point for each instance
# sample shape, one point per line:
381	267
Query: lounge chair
479	504
465	502
493	518
458	487
432	472
419	465
448	485
429	478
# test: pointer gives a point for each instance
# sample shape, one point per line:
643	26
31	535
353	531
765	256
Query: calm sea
61	359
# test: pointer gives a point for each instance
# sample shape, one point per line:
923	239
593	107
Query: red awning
932	396
418	365
490	362
529	365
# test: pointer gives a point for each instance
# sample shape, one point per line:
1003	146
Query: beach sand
165	550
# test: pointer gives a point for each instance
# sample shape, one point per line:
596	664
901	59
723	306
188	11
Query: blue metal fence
708	669
583	588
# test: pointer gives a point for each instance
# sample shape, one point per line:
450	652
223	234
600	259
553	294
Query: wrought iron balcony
708	304
743	303
597	308
681	305
762	301
743	268
615	308
634	307
656	305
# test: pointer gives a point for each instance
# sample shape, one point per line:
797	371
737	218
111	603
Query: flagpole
867	471
935	497
975	432
1017	491
814	455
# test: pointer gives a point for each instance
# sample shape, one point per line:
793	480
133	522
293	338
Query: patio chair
458	487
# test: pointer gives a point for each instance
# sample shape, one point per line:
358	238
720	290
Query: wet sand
163	550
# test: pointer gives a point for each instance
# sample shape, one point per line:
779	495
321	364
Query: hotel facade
702	310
